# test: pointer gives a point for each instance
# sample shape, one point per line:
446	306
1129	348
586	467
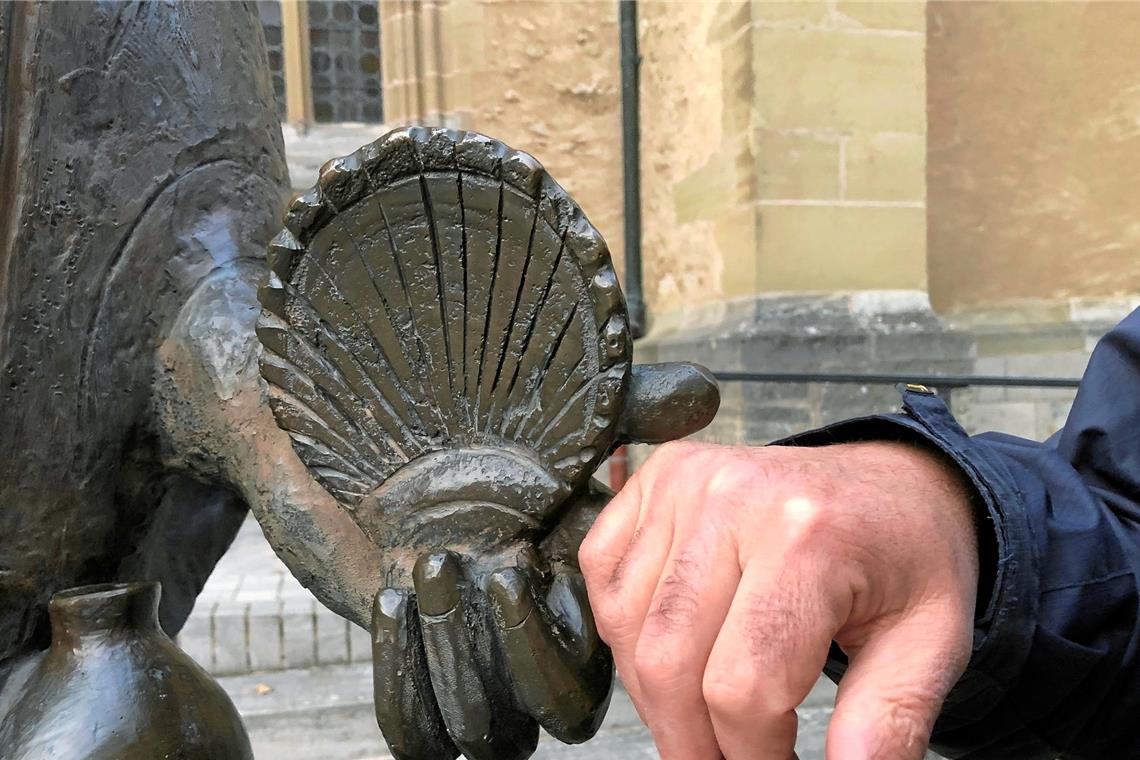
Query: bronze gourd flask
113	685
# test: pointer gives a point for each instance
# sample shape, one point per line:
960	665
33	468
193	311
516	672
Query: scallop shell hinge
437	290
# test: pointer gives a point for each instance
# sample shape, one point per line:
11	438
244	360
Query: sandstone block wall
1034	153
798	163
782	146
541	75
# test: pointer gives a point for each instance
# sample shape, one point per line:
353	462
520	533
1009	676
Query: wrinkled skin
720	576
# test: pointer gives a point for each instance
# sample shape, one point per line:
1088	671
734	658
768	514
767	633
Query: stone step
323	712
254	616
233	637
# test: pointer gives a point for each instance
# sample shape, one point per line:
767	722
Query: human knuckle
728	479
770	628
660	663
678	601
804	521
591	557
730	691
675	608
607	613
611	615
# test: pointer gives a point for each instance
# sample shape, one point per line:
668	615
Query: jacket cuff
1004	628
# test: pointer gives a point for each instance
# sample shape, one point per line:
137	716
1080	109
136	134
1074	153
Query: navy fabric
1055	671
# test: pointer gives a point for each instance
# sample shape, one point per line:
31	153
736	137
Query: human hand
719	576
481	628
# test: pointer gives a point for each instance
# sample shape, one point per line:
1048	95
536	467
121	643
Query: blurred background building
826	185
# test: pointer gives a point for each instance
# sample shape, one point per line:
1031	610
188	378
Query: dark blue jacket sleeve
1055	670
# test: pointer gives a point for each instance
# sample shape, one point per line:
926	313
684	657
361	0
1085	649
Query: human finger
601	552
893	690
621	578
770	652
685	617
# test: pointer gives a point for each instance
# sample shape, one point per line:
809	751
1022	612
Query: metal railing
944	385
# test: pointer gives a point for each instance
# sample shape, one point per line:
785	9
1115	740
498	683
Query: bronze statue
446	350
447	346
141	169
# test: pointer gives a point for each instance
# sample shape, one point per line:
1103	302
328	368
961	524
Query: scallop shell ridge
438	290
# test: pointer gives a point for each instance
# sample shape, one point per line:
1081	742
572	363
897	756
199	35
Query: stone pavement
292	714
253	615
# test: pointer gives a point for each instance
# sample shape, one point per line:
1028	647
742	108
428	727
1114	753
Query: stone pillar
698	170
295	46
839	139
785	149
785	155
413	45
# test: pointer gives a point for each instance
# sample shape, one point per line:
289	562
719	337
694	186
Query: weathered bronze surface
141	168
113	686
447	346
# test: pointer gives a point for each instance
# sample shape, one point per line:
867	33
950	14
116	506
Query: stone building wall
785	197
696	188
542	76
839	126
1034	153
784	149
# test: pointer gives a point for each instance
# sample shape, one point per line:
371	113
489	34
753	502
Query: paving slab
326	712
311	693
253	615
